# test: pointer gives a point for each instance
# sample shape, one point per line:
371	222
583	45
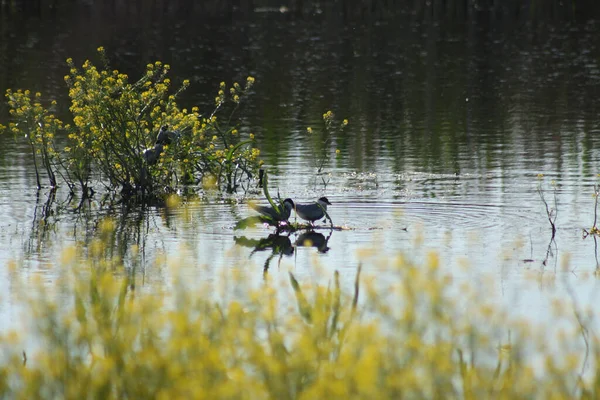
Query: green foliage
331	136
115	122
263	219
253	220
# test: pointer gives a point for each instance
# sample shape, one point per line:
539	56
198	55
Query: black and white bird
313	211
283	214
164	137
151	155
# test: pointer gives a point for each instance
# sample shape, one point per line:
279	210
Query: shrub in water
116	132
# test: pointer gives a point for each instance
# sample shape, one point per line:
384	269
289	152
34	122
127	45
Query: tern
151	155
313	211
282	215
164	137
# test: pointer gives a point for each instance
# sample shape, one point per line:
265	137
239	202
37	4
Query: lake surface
451	124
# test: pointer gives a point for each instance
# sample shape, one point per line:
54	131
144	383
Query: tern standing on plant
313	211
283	214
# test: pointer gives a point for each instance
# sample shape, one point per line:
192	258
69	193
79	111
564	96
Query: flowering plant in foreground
115	121
101	336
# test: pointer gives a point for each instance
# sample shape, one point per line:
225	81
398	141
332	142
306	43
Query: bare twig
551	213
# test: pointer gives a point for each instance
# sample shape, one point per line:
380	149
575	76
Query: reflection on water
281	245
314	239
451	122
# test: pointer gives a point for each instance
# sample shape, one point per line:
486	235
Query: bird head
288	203
324	200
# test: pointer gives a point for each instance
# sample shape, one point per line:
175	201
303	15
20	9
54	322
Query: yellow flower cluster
408	336
116	124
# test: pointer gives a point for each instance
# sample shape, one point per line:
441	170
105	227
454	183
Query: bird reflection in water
314	239
280	246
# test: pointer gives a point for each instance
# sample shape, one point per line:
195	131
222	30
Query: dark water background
454	111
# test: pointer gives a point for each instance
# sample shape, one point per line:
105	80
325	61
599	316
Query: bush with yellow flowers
134	137
100	335
39	126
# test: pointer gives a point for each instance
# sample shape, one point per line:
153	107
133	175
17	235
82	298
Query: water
450	125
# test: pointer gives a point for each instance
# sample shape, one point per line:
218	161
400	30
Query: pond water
451	123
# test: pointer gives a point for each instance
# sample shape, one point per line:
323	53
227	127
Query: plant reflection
43	222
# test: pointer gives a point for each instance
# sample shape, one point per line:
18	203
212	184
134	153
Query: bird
151	155
313	211
283	214
165	136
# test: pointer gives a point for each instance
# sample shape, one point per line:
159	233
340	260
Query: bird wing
264	210
309	211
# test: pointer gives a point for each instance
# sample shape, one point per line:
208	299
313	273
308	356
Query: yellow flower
309	129
252	136
337	151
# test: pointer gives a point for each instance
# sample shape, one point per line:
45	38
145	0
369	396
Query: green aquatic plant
113	135
332	129
594	230
277	206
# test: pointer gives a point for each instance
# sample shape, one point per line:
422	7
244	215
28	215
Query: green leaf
231	151
266	192
303	306
253	221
